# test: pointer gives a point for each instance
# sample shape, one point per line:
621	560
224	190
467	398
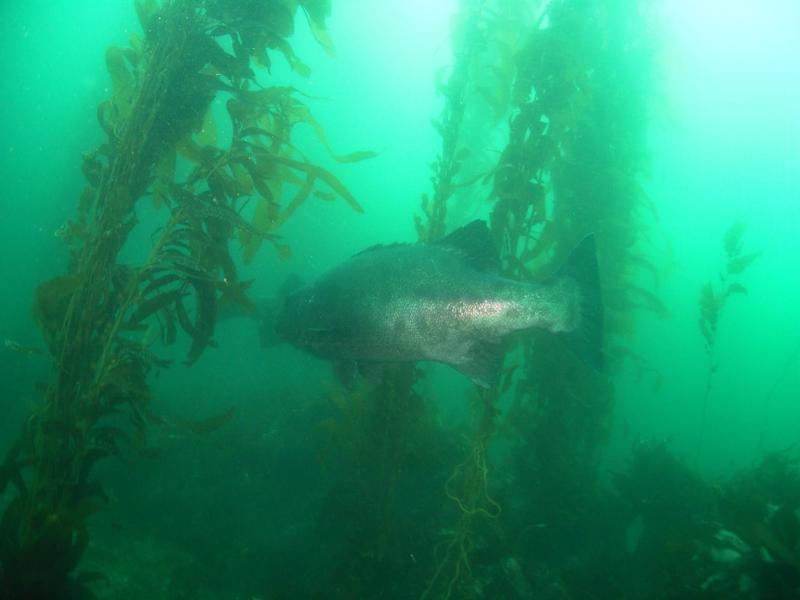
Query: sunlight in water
405	38
739	58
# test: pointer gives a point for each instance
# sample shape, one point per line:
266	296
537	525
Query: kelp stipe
713	298
431	225
159	113
385	436
468	485
468	488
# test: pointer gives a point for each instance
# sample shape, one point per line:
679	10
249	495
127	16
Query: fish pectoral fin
484	363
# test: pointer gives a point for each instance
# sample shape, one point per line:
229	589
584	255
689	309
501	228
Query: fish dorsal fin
474	242
376	247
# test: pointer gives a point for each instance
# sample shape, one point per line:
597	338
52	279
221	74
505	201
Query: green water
293	497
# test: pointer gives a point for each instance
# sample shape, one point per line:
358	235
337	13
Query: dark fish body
444	302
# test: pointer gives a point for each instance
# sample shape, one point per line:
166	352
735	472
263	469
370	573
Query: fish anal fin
483	364
345	372
371	371
474	242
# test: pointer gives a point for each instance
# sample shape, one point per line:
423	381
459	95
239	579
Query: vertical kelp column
485	40
573	166
387	427
369	522
577	113
100	318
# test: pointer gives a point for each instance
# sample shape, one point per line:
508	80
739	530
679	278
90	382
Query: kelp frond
97	319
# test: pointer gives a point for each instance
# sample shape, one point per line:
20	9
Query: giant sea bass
445	302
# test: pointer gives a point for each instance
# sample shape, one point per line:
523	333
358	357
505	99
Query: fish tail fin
585	339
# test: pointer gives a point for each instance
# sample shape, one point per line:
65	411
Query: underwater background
159	180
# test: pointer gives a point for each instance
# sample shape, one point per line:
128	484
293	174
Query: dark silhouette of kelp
92	318
577	109
713	298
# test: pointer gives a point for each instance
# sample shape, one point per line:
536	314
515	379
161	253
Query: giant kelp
714	295
476	95
572	165
377	426
468	489
376	523
479	30
577	107
160	142
431	224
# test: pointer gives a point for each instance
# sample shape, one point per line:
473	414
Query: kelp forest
409	481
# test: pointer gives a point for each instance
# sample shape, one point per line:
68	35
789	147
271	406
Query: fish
445	301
